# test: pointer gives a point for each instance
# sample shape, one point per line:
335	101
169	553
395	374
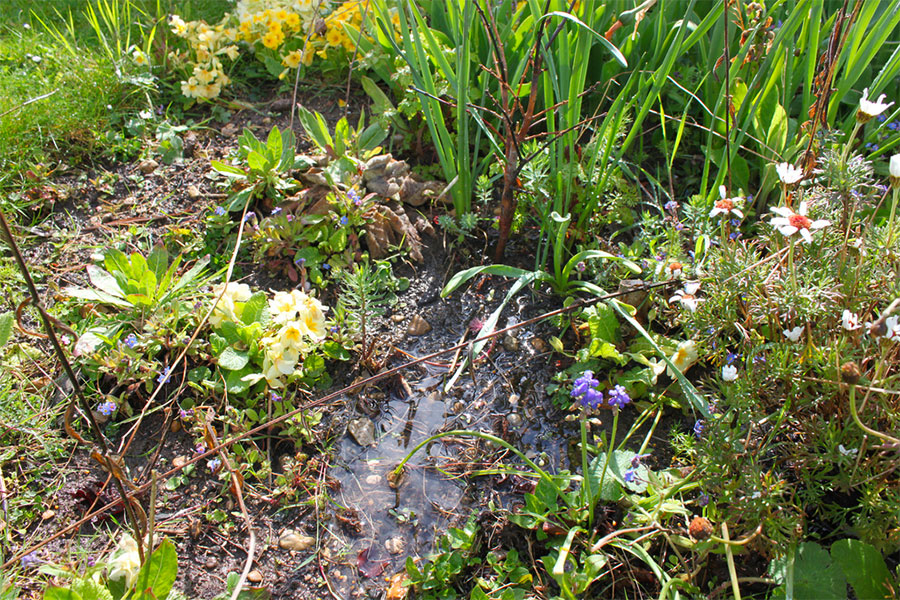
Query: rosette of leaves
267	170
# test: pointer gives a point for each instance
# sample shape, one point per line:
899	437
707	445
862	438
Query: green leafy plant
266	174
458	553
808	570
142	285
346	147
152	312
121	577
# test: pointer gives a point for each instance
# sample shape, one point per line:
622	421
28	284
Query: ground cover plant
450	299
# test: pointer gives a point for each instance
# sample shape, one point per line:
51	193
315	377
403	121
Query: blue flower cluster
107	408
585	390
618	397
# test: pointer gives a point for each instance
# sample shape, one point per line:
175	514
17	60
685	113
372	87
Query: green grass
86	95
92	92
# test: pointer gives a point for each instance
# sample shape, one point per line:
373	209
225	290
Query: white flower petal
729	373
806	235
894	168
782	211
788	230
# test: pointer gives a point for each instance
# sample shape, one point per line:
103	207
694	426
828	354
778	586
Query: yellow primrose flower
212	90
189	88
139	57
334	37
244	28
203	54
685	356
203	76
293	59
207	37
272	40
283	307
291	335
312	318
125	561
281	14
293	21
284	358
231	52
179	27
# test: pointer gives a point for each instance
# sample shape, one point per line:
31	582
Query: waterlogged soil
360	524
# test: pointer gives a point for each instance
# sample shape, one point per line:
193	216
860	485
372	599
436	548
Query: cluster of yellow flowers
302	325
208	45
296	327
289	32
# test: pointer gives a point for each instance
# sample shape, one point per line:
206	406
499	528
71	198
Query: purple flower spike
699	426
618	397
584	383
592	399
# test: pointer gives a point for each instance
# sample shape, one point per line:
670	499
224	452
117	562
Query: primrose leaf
103	281
158	574
255	309
233	360
864	567
6	323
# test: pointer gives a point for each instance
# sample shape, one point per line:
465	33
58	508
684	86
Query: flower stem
791	265
893	214
587	492
865	428
609	450
848	144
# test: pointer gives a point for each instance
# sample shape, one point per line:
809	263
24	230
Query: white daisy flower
794	334
869	109
726	205
788	173
729	373
687	297
789	222
849	320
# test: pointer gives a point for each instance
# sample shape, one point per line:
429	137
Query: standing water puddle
401	522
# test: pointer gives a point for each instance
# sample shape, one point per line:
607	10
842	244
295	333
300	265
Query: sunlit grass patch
85	94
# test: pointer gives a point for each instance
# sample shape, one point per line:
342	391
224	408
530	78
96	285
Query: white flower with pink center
789	222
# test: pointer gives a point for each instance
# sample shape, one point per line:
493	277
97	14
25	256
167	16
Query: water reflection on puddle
406	520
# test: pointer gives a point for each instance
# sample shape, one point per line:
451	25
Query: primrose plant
122	575
265	343
266	173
